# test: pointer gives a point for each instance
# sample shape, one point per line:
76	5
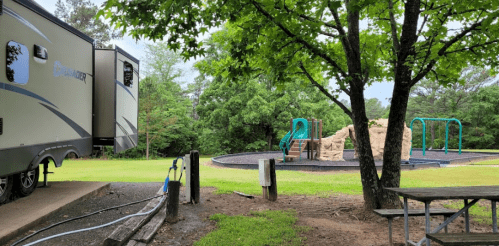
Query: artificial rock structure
332	147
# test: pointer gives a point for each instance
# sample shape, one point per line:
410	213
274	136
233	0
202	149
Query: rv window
17	63
128	74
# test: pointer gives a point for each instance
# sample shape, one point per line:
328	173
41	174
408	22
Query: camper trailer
58	95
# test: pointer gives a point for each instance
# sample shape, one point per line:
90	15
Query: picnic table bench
392	213
464	238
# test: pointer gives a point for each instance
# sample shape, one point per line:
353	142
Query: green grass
478	212
262	228
289	182
487	162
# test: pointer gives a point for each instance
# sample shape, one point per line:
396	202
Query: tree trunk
147	145
390	176
368	173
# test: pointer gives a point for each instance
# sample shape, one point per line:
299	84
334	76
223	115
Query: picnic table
427	195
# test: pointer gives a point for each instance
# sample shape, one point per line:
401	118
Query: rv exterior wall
104	97
127	98
54	107
116	101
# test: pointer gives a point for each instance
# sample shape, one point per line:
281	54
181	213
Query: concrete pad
20	215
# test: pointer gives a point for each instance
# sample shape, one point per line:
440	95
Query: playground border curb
301	167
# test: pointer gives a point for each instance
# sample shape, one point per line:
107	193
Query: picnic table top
447	193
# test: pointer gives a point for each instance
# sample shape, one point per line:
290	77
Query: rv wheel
25	183
5	188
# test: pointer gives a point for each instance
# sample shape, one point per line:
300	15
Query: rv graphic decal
60	70
130	125
68	121
124	87
126	133
22	91
24	21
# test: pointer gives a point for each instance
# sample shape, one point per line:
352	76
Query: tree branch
442	51
472	47
343	35
393	24
325	92
309	46
329	34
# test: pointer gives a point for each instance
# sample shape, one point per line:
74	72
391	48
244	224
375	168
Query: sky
382	91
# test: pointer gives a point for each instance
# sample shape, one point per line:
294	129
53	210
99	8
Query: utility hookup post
264	171
188	197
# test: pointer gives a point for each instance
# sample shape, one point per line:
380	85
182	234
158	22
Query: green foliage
80	15
254	115
261	228
374	109
165	123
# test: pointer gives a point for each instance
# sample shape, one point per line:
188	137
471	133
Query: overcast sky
382	91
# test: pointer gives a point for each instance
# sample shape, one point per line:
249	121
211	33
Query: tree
153	120
374	109
80	15
404	42
170	101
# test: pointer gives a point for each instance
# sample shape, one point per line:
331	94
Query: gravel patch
119	193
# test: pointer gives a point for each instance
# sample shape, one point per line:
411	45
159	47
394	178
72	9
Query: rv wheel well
71	154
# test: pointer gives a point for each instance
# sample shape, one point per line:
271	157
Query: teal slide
300	131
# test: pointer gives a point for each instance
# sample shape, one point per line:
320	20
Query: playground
303	148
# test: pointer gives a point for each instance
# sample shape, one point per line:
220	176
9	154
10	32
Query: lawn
289	182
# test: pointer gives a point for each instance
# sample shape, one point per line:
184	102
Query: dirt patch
335	220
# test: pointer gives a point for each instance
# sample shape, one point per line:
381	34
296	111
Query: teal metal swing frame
446	131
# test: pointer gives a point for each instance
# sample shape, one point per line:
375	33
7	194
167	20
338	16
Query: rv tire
5	188
25	183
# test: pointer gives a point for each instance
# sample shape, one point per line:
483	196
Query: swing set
446	131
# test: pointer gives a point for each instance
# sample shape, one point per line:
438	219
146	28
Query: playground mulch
348	156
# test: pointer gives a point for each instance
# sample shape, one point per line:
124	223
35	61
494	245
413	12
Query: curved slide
300	131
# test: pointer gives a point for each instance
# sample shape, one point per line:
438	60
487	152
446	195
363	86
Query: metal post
445	219
406	221
428	222
424	134
494	217
467	217
45	174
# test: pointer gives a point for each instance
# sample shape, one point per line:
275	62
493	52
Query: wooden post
273	182
291	125
264	192
312	140
308	144
195	189
320	139
173	201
